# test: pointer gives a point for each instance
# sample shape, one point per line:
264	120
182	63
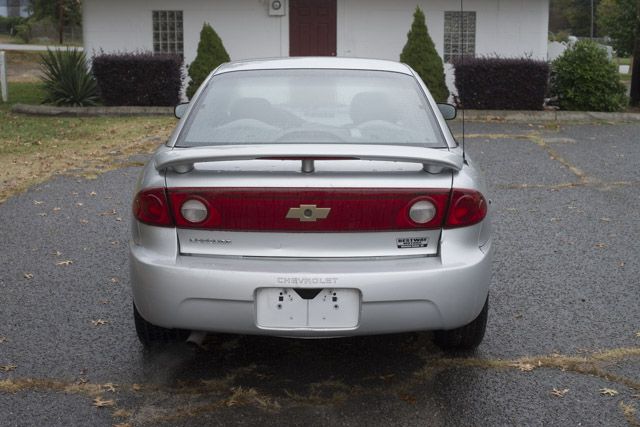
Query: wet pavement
562	344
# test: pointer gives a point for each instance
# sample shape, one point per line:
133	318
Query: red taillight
468	207
310	210
151	207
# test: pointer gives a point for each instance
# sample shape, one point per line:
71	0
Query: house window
459	35
167	31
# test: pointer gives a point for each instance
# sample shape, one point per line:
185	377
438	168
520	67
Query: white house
14	8
358	28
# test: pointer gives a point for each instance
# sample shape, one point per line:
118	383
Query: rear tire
464	338
152	335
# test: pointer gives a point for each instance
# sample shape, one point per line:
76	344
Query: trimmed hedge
501	83
138	79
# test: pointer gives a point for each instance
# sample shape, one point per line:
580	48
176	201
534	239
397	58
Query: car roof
320	62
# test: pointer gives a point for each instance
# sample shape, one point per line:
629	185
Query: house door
312	27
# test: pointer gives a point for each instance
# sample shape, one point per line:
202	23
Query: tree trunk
635	71
61	18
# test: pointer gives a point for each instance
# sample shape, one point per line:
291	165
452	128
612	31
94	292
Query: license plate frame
284	308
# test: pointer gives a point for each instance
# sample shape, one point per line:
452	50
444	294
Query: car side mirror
180	109
448	111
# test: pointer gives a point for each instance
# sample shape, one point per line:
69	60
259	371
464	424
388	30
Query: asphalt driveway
562	346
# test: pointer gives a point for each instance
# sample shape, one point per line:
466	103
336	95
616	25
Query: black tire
152	335
464	338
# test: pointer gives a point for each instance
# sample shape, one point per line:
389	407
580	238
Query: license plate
282	308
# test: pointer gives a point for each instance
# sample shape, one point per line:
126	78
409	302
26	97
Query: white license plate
285	308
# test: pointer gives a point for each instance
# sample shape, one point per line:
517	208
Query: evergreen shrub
420	54
584	79
211	53
66	79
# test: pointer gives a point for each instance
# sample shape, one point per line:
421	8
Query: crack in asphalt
538	139
226	393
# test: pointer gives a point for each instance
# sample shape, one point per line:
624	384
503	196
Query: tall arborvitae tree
211	53
421	55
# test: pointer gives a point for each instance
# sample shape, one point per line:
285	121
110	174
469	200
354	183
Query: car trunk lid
344	209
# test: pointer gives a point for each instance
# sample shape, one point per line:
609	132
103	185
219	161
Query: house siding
244	26
14	8
365	28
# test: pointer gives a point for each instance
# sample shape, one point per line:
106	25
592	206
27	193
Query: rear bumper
398	295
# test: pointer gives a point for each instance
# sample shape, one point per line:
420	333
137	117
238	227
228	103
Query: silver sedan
311	197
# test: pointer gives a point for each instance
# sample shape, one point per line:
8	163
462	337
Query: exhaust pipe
196	338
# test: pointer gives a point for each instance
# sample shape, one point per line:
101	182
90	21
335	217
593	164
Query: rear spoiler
182	160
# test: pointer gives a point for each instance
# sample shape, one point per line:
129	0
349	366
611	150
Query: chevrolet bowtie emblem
308	213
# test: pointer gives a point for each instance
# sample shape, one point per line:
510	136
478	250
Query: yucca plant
66	78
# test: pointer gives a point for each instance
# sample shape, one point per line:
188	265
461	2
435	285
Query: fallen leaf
408	398
109	387
84	221
136	387
65	262
99	402
115	242
111	212
7	368
118	219
93	193
115	280
28	275
559	393
638	334
600	245
99	322
104	301
524	366
42	214
621	264
121	413
3	339
79	204
37	202
608	392
57	209
57	253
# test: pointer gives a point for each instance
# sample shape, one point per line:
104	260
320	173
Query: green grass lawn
6	38
24	93
34	148
623	61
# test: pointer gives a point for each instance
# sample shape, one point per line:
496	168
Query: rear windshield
312	106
